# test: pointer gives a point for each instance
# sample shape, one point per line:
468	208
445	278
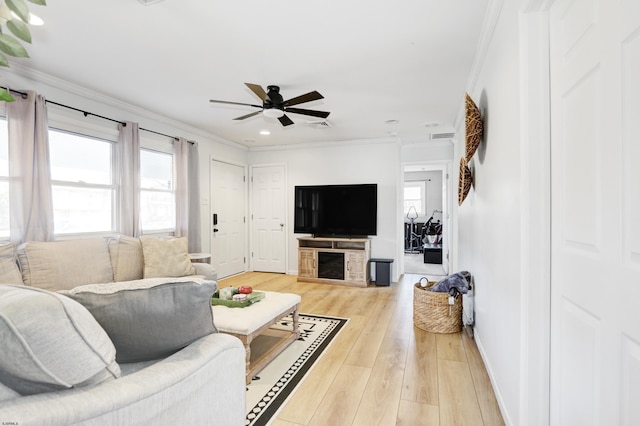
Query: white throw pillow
166	257
126	258
6	393
9	272
50	342
60	265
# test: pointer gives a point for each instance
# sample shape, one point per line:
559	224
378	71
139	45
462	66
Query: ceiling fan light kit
274	106
272	112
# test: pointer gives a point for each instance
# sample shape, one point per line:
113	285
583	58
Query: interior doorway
425	213
228	218
268	218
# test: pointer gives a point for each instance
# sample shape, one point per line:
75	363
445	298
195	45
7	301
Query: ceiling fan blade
285	121
233	103
307	97
258	90
314	113
248	115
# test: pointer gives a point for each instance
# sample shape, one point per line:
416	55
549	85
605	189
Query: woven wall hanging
464	180
473	127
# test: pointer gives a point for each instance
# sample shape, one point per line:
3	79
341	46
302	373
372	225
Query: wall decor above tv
336	210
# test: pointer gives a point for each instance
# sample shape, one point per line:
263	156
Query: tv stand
334	260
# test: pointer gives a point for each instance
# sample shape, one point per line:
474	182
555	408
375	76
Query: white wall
427	152
74	96
341	163
374	161
489	225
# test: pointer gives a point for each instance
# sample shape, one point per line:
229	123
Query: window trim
162	231
421	184
114	186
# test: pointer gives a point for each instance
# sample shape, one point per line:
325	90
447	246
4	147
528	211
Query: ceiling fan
273	105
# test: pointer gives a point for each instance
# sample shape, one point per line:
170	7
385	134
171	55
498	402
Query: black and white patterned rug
276	382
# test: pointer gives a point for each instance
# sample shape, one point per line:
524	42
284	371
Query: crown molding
489	24
386	140
36	76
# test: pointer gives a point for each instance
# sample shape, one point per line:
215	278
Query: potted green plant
15	18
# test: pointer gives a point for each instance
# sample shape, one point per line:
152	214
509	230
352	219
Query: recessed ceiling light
265	132
391	122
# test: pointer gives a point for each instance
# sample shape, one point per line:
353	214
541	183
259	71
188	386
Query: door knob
215	230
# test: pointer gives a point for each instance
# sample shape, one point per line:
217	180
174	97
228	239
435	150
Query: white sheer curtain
30	195
180	149
187	193
194	235
129	165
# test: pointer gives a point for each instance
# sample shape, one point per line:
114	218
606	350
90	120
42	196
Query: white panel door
595	213
228	224
268	212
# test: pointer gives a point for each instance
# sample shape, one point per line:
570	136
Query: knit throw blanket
460	282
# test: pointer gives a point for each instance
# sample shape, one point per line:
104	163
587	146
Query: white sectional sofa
114	331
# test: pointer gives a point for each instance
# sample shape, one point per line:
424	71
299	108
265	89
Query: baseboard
496	390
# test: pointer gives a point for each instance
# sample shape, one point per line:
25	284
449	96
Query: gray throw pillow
50	342
150	319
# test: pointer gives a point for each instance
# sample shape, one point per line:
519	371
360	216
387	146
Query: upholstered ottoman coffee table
252	321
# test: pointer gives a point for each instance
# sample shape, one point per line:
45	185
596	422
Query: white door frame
535	189
445	168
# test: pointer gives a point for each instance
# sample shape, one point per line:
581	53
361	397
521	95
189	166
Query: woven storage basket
464	180
432	312
473	127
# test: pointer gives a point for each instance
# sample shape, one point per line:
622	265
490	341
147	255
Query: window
83	184
4	179
157	191
414	196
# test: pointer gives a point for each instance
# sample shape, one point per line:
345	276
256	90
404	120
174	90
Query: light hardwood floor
381	370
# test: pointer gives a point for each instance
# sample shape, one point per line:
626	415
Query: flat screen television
336	210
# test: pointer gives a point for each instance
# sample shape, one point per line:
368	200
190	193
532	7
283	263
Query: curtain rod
86	113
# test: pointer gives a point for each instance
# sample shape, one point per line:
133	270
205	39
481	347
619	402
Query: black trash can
383	271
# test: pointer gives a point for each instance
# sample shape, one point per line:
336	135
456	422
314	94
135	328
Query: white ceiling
372	60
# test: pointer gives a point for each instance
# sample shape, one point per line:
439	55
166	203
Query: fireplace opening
331	265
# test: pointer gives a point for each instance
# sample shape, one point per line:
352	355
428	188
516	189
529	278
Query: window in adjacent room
157	192
83	183
414	195
4	179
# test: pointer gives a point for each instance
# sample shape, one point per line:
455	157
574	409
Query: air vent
319	124
442	135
